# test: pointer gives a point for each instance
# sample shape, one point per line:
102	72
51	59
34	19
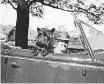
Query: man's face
60	47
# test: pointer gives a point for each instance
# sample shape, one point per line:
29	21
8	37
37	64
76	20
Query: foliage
35	8
98	11
93	13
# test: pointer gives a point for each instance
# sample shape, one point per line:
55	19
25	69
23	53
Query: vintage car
21	66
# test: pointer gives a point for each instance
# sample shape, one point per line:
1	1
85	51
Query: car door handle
84	72
14	65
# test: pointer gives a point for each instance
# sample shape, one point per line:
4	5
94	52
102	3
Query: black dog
45	41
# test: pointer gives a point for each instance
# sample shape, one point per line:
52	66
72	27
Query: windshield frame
84	40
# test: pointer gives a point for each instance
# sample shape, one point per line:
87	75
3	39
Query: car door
72	68
43	70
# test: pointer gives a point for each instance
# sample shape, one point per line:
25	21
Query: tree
22	24
92	12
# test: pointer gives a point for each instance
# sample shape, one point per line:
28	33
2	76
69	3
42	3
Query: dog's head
45	38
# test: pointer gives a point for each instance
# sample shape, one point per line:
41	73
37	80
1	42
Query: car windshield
94	37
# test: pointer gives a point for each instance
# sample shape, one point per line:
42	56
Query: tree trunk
22	25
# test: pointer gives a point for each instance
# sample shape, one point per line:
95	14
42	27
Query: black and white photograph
52	41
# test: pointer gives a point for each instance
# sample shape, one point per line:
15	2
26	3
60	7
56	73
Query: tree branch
56	7
79	9
12	5
75	9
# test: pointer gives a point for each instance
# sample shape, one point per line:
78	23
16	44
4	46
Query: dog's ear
38	30
53	30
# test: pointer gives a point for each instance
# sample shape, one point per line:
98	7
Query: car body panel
23	67
34	71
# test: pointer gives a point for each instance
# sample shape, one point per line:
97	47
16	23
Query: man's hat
64	37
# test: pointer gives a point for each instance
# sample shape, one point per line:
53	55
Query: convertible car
21	66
